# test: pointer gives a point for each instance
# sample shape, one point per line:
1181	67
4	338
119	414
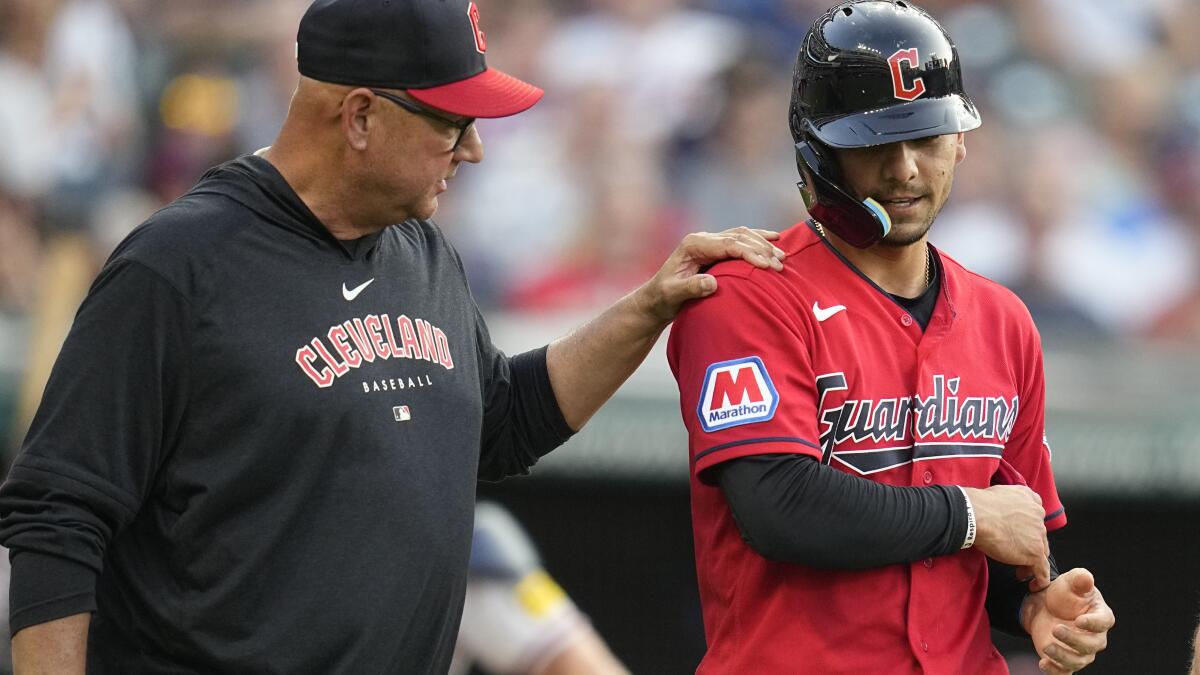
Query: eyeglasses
461	125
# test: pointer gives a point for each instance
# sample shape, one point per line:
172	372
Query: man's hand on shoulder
680	280
1068	622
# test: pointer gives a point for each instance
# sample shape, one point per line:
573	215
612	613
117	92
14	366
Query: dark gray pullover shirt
258	449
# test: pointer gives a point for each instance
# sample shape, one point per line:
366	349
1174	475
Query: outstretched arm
587	366
1068	621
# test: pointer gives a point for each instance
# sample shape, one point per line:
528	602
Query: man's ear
960	151
358	117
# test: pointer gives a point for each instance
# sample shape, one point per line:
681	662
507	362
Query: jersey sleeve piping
706	459
748	441
1057	519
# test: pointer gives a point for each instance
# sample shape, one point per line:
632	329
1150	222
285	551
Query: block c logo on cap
736	392
899	89
473	15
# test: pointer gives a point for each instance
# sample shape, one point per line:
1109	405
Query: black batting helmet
870	72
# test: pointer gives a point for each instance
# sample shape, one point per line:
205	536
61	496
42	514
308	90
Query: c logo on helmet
473	15
902	92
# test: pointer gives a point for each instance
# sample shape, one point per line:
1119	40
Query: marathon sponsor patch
736	392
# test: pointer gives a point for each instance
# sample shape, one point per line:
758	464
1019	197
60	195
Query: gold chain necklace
928	256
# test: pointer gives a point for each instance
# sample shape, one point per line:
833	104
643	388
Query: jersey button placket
928	563
906	320
927	477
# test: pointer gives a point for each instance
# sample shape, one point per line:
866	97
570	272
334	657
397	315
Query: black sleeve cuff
1005	595
530	373
956	531
522	419
46	587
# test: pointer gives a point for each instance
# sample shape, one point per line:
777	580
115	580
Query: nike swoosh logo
823	313
352	293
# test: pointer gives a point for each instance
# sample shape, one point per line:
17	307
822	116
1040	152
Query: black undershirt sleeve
1005	593
792	508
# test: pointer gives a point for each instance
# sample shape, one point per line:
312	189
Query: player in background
871	483
517	620
1195	652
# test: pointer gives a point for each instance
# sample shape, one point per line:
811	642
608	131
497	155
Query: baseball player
257	451
866	428
1195	670
517	620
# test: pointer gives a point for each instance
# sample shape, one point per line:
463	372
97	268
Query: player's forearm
588	365
57	647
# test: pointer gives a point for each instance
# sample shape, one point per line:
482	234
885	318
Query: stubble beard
900	237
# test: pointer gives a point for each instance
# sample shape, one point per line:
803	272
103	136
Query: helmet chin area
859	223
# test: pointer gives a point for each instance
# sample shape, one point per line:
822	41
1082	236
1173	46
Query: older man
258	449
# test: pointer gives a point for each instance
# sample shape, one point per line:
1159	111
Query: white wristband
969	540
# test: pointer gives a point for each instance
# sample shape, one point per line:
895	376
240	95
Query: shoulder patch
736	392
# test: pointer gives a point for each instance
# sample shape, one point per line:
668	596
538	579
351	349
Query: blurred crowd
1081	191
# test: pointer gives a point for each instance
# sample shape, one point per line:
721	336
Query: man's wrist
1028	606
972	526
648	303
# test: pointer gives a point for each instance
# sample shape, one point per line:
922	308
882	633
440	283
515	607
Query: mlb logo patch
736	392
401	413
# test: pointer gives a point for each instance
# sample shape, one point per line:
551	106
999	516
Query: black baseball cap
434	49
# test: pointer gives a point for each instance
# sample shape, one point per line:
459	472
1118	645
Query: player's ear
358	116
960	149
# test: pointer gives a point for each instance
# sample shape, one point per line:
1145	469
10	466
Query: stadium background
1081	192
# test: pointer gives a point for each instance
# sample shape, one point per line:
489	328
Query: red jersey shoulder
781	298
792	240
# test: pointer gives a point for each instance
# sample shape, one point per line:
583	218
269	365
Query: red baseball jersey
818	360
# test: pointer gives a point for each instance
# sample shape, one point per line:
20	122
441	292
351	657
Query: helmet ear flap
794	123
859	223
819	159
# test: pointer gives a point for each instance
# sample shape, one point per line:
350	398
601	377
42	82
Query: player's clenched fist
1011	529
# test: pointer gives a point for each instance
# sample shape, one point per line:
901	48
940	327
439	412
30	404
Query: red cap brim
488	94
